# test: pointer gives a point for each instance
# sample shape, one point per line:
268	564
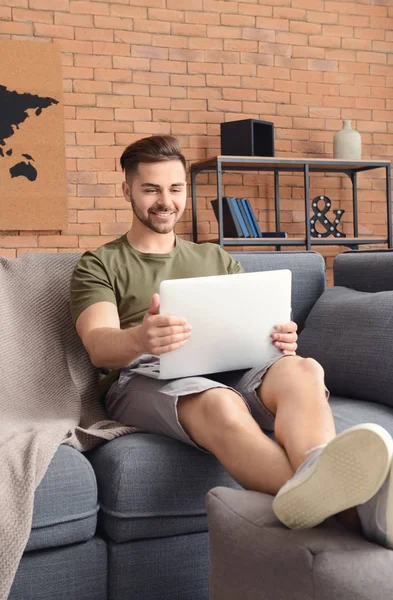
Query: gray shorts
151	404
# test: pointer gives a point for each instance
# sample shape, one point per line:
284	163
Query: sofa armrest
254	557
364	270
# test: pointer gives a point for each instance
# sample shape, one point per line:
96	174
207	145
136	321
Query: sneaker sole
350	470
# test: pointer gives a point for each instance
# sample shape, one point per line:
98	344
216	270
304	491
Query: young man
115	306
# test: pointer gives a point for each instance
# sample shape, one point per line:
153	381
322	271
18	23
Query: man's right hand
161	333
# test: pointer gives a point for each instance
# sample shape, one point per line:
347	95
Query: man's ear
126	191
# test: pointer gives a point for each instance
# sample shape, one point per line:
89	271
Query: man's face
158	194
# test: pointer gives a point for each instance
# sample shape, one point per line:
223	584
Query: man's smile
163	214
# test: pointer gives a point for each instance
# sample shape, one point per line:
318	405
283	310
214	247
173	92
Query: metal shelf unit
277	165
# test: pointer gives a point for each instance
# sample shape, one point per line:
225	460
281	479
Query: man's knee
286	376
293	368
214	410
312	368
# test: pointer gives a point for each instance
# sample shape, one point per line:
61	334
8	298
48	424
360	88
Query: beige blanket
48	391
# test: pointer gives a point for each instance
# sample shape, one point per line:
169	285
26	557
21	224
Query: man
115	306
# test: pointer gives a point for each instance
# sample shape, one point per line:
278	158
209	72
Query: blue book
247	210
239	216
240	203
253	219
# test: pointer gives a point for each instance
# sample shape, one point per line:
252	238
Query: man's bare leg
293	390
330	482
219	421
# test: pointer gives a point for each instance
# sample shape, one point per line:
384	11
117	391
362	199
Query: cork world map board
33	193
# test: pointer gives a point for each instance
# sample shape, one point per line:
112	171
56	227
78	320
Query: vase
347	143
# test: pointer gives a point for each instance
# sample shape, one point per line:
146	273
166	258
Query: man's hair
157	148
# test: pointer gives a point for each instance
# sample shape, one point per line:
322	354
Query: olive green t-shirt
118	273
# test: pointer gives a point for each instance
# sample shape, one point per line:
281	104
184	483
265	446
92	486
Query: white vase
347	143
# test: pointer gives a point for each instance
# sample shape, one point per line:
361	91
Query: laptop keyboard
148	369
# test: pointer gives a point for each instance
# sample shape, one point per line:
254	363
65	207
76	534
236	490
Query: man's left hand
285	337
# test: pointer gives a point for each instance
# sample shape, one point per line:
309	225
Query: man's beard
148	221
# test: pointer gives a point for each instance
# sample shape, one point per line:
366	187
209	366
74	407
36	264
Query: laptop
232	318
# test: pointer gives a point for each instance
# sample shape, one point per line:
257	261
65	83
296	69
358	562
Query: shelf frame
277	165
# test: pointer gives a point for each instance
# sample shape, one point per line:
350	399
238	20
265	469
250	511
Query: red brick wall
136	67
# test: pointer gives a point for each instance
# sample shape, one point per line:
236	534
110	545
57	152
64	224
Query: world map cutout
33	170
14	111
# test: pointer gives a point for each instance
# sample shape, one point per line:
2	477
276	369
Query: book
253	218
232	218
239	216
254	231
274	234
254	223
240	203
231	225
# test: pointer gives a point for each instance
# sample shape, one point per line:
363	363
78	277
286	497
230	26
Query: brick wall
136	67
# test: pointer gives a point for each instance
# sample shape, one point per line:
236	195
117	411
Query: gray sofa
253	556
128	520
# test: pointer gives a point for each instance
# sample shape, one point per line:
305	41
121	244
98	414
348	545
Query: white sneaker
348	471
376	515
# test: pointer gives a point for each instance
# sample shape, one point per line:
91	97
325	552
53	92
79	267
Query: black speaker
248	137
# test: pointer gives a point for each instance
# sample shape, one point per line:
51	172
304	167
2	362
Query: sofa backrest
364	270
308	275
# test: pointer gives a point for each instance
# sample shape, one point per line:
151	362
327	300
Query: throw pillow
350	334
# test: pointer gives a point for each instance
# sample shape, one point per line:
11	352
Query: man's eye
151	191
176	189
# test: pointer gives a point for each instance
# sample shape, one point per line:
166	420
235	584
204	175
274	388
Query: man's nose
165	198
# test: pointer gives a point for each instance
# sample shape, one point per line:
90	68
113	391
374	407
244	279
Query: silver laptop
232	318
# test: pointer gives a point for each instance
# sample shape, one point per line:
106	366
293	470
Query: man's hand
285	337
161	333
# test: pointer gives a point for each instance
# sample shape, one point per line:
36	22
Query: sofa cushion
75	572
365	270
348	412
350	334
172	568
65	502
152	486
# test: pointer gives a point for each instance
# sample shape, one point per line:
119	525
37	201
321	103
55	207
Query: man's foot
346	472
376	515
